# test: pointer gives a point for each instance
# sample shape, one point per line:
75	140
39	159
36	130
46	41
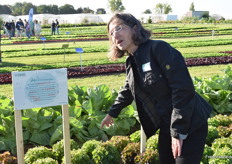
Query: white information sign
41	88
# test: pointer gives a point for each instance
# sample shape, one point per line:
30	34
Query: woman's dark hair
141	35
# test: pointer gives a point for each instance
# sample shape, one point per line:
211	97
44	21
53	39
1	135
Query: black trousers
192	148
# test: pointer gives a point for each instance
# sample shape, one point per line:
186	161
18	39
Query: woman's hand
176	147
108	121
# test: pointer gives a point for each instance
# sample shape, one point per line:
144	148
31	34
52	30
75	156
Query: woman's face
122	35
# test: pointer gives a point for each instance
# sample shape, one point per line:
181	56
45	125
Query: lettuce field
42	127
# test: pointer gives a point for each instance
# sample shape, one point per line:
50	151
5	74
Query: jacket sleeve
124	99
17	25
173	66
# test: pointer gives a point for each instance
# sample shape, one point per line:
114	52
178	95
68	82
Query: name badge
146	67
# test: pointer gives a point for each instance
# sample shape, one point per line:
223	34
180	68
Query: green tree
167	8
26	7
5	9
54	9
159	8
163	8
22	8
192	7
116	5
79	10
43	9
67	9
147	11
17	9
101	11
87	10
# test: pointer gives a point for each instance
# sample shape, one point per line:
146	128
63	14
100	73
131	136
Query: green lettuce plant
206	154
152	142
135	137
46	161
80	156
129	152
106	153
36	153
119	142
221	156
58	148
148	157
89	146
212	135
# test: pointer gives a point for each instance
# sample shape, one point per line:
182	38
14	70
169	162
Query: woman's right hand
108	121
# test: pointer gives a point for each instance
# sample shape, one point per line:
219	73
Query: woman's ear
135	28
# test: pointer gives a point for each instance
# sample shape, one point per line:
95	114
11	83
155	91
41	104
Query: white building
85	18
157	17
63	18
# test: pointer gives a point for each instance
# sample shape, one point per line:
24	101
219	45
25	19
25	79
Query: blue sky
180	7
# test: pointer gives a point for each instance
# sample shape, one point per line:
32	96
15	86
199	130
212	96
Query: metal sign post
67	33
43	39
213	32
65	46
80	50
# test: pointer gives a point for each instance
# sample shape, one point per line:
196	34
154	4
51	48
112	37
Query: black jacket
8	26
19	25
165	92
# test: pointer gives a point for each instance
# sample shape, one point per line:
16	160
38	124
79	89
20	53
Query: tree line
22	8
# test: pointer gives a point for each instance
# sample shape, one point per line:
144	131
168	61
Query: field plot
93	88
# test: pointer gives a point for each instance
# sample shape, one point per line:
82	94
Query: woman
57	27
159	82
37	28
28	30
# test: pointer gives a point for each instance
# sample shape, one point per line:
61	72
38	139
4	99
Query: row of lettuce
100	32
94	54
26	52
87	108
126	149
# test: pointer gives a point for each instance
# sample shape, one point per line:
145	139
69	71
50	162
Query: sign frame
19	131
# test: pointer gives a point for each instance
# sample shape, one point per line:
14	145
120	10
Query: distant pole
81	60
213	32
43	39
64	46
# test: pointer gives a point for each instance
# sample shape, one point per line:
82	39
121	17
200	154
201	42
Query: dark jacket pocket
156	84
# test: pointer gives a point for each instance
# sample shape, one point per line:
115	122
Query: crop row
102	48
113	68
99	32
62	38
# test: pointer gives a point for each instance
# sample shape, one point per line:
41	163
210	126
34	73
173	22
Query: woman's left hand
176	147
